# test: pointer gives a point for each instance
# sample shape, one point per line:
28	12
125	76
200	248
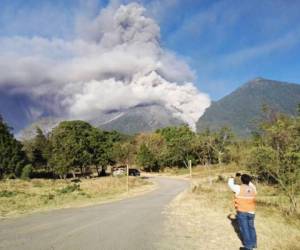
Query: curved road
131	224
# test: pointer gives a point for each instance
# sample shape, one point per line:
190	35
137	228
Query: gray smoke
115	61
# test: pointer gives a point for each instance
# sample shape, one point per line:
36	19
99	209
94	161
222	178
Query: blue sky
225	42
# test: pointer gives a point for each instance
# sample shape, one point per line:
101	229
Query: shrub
26	172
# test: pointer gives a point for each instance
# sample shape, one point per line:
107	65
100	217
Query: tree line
272	153
74	146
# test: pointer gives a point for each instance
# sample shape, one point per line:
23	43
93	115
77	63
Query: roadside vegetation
22	197
200	217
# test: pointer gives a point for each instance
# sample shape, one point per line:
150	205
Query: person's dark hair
238	175
245	178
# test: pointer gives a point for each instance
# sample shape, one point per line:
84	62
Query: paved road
131	224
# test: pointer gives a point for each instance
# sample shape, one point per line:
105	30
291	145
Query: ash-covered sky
82	56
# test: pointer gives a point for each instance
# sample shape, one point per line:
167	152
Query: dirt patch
193	224
198	219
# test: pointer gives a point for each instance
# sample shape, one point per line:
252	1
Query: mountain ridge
242	109
142	118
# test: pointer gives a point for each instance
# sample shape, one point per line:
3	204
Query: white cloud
114	62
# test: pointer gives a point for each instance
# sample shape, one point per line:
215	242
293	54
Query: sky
225	42
86	56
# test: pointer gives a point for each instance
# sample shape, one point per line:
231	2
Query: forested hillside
242	110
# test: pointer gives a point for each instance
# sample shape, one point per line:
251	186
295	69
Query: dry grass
201	171
198	218
22	197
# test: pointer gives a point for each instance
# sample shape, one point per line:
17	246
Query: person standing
245	206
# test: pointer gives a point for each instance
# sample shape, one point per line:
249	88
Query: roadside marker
191	174
190	167
127	170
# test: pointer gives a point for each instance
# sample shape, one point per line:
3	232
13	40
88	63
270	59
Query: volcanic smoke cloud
115	62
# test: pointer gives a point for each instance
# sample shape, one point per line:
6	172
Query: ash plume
115	61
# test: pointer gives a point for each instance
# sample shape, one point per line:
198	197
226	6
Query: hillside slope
142	118
242	109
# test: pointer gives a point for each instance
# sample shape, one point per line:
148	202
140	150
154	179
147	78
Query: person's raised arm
235	188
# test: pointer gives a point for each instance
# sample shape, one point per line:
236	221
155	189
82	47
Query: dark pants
247	229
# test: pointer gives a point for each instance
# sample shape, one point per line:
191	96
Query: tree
238	152
42	148
213	147
124	152
223	139
203	148
12	158
179	146
38	149
101	145
151	151
147	159
70	143
276	155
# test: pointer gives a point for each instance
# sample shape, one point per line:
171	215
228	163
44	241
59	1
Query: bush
26	172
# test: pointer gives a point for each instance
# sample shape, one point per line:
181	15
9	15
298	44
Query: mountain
24	114
242	109
142	118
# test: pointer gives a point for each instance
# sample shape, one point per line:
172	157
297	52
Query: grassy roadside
198	219
22	197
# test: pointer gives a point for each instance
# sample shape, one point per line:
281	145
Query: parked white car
119	172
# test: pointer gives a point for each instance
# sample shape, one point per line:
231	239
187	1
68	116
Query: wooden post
190	167
191	174
210	178
127	170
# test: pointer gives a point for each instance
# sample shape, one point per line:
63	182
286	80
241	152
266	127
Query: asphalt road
130	224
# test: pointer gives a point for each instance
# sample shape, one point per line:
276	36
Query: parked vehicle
118	172
122	170
134	172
